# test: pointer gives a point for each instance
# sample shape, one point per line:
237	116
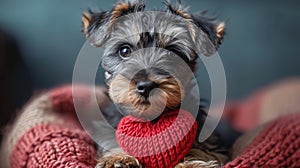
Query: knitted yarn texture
277	145
162	144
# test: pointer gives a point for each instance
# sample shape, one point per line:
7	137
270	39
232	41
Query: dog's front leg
116	158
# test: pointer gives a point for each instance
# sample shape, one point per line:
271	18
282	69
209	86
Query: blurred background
40	40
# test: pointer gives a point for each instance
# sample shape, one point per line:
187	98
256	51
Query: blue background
261	45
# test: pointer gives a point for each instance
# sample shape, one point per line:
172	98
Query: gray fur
168	32
164	44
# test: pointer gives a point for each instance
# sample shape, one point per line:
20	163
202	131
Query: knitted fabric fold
50	145
277	145
47	133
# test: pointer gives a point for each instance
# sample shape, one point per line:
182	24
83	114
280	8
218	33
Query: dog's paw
118	161
198	164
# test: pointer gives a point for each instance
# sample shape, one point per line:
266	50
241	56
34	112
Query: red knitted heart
162	144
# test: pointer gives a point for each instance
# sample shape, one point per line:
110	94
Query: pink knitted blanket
47	134
278	145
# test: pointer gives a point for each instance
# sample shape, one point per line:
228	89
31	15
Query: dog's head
150	56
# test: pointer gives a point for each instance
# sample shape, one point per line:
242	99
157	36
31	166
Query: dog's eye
124	52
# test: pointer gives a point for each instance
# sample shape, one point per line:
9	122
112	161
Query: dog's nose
144	87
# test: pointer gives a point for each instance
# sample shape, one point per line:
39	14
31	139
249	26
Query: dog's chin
142	111
167	96
147	109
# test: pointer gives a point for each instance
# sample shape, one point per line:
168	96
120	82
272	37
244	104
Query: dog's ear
206	32
209	33
97	26
177	9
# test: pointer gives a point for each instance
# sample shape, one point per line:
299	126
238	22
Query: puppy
149	60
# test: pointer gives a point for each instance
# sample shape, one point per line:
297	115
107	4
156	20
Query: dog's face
150	56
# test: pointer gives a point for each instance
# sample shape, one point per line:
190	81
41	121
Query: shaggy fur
161	48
